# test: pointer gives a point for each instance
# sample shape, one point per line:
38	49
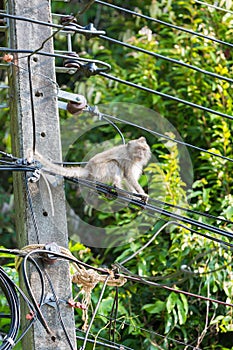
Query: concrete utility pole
51	228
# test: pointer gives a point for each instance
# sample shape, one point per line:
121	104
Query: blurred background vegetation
177	257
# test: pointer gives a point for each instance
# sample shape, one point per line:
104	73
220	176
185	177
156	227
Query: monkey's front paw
144	197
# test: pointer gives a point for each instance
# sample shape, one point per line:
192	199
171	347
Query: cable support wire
164	23
89	109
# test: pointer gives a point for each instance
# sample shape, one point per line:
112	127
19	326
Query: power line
159	93
178	62
213	6
164	23
164	136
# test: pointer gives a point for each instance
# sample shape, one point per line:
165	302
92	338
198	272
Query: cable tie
9	340
94	111
35	176
85	69
89	31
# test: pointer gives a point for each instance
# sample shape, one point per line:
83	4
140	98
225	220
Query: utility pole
35	123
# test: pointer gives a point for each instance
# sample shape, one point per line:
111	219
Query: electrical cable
30	292
153	54
8	288
166	337
164	23
126	82
166	137
191	211
213	6
116	128
162	94
106	66
58	310
75	29
124	196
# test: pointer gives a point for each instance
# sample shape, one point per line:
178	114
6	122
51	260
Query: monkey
121	166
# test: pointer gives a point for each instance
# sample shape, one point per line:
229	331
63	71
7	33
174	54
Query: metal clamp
50	258
89	31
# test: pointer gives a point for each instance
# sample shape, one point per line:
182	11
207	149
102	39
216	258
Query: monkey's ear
142	139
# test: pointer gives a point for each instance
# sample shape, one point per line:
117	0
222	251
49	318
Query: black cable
58	310
75	28
9	290
16	168
30	292
191	211
116	128
113	316
25	299
164	23
124	196
181	63
106	68
156	92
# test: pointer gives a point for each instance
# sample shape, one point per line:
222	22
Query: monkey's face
139	150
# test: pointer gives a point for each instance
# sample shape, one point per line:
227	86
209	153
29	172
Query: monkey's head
139	150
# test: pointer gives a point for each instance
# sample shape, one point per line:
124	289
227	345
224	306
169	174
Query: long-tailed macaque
120	166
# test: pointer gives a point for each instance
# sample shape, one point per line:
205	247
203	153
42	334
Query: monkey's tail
50	167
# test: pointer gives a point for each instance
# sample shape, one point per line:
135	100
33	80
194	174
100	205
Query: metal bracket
77	103
50	300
